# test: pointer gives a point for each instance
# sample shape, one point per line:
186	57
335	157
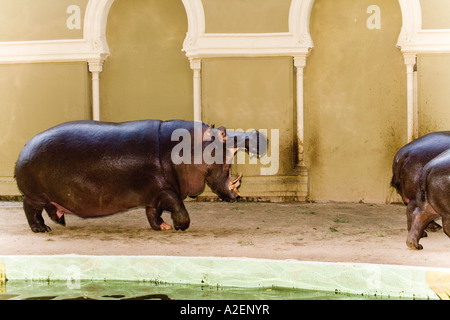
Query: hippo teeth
236	190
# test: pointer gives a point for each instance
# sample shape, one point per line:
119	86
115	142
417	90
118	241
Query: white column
416	105
410	62
196	66
300	64
95	67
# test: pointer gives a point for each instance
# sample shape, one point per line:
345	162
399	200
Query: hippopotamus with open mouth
408	165
94	169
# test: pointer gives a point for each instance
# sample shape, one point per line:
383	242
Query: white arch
94	49
296	43
196	22
95	21
199	44
299	19
411	21
93	46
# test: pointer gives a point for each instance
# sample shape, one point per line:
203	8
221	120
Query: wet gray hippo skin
433	198
408	165
93	169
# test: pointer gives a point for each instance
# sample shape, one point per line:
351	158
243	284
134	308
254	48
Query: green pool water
131	290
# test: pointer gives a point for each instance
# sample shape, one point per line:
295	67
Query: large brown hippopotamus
93	168
433	198
408	164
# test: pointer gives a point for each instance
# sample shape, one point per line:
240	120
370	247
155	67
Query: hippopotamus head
221	145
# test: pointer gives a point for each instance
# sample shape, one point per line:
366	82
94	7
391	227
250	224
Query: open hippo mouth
219	176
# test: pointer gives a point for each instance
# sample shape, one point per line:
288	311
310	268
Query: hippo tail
397	166
423	184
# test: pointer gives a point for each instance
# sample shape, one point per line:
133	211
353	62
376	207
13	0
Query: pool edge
395	281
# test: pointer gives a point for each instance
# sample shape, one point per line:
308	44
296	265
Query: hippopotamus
93	169
408	165
433	198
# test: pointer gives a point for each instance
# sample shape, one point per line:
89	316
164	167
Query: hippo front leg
171	202
155	220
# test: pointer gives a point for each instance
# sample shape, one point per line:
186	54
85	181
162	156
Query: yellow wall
35	97
251	93
246	16
435	14
147	74
24	20
355	83
355	104
434	92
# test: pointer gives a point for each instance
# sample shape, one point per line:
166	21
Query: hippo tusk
238	178
235	184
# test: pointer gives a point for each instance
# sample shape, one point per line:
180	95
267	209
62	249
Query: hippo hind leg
421	218
33	212
52	213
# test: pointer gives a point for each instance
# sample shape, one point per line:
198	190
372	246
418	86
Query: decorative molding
413	38
92	46
196	22
199	44
428	41
296	43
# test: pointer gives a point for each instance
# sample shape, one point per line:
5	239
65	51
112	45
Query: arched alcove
147	74
355	98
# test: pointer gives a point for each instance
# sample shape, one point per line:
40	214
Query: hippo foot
165	226
40	228
414	245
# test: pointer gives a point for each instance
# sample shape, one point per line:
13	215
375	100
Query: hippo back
411	158
91	160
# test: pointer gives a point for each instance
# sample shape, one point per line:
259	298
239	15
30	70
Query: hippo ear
207	134
222	134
